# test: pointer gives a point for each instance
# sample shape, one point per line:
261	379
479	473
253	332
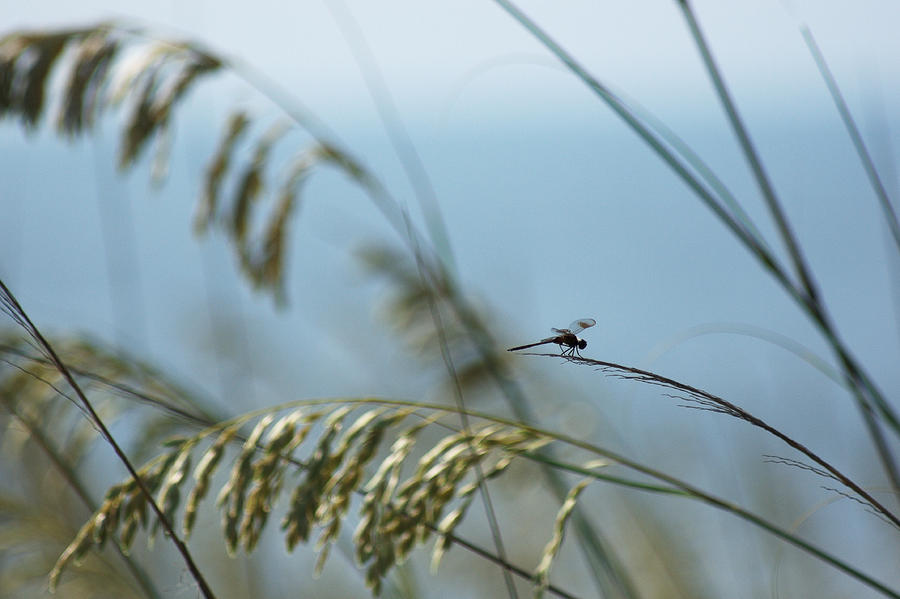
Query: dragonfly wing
562	331
581	324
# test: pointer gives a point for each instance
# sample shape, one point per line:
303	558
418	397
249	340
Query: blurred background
554	210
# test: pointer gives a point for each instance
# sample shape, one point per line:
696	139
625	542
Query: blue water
552	215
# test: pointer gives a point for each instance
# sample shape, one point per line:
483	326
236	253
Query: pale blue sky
426	48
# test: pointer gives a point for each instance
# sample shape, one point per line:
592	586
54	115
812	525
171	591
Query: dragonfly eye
582	344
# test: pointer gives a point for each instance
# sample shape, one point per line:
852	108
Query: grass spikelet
356	429
251	184
215	172
80	545
427	461
133	512
384	559
169	492
203	473
348	479
159	91
542	572
268	266
191	64
383	483
449	522
231	498
370	532
107	518
81	99
142	121
124	503
129	527
11	47
153	476
268	477
306	496
43	50
329	153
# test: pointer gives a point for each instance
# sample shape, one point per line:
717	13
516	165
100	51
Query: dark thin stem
726	407
37	434
862	152
19	315
555	590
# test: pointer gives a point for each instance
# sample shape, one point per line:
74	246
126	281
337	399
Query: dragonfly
568	340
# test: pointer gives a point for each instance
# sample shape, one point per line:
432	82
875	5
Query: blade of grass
745	330
699	165
684	489
756	245
890	215
750	153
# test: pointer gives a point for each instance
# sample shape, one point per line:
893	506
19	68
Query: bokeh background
554	211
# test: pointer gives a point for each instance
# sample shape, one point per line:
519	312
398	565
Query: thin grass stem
718	404
15	310
890	215
68	474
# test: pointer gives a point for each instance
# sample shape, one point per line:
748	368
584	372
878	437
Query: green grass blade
755	245
890	215
684	489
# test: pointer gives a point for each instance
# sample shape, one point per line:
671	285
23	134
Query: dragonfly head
582	344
